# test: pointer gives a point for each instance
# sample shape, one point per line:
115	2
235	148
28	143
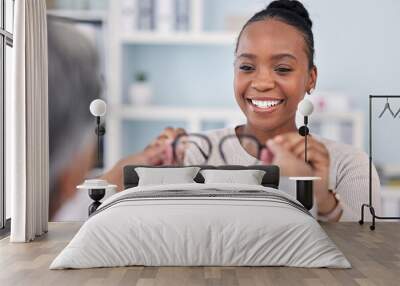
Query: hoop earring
311	90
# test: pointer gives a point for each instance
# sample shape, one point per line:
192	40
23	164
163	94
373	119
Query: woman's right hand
159	151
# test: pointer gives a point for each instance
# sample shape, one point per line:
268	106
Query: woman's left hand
317	154
318	159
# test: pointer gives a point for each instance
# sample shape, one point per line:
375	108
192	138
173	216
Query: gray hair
74	81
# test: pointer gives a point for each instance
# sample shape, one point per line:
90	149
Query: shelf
166	112
182	38
176	113
194	116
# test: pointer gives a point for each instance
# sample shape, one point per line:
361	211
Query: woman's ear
312	82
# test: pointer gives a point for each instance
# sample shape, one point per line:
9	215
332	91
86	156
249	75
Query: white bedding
182	231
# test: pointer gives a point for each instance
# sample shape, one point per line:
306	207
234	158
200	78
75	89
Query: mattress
201	225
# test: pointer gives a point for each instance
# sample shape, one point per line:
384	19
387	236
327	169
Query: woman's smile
264	105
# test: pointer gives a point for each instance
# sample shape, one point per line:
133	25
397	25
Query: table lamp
98	109
304	185
305	108
97	188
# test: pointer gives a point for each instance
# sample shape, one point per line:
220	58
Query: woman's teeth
266	103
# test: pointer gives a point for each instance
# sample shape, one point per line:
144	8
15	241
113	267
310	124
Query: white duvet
183	231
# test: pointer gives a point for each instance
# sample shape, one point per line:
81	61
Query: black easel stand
369	205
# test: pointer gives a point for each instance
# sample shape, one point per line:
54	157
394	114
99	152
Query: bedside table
96	190
304	190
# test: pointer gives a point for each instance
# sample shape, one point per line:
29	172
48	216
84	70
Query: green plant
141	77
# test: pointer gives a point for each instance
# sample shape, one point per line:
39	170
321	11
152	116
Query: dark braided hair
291	12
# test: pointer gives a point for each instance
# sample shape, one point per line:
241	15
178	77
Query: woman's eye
283	70
246	68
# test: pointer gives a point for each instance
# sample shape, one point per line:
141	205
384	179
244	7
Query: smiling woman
273	70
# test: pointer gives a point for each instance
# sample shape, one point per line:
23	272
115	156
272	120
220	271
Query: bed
201	224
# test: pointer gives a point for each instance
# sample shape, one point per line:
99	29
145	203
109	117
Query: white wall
357	44
357	47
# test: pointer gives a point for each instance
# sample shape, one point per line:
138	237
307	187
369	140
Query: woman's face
271	74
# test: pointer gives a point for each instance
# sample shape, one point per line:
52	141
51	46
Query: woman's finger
167	134
293	142
275	147
172	133
168	155
153	155
311	151
300	148
180	131
266	156
158	142
318	160
288	140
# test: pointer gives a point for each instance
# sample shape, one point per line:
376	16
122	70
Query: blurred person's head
73	83
274	66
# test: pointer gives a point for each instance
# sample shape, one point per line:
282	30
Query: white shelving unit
193	116
119	111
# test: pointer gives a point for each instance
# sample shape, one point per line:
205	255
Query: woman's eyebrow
273	57
283	55
247	55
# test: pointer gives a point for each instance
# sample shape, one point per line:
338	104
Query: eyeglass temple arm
208	141
200	150
221	143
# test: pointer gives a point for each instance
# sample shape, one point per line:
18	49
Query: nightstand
304	190
96	190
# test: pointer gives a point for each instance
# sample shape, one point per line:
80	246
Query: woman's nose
263	81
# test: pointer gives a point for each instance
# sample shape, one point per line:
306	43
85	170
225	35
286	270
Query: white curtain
27	155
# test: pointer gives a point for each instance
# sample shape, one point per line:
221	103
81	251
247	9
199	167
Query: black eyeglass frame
199	135
206	155
240	137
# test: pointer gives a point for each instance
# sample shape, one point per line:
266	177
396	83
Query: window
6	44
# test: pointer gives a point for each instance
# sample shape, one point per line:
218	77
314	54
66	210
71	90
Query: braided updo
291	12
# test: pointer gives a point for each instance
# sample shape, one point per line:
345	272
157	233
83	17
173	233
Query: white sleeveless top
349	171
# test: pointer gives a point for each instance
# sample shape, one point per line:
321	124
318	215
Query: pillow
162	176
249	177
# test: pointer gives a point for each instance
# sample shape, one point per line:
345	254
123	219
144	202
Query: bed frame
270	179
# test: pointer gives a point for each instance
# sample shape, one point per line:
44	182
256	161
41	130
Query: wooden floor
374	255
